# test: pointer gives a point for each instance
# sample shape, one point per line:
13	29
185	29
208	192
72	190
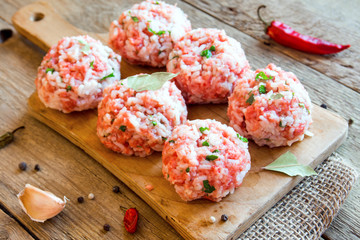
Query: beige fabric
307	210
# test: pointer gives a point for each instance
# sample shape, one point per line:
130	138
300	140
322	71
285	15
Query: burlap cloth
307	210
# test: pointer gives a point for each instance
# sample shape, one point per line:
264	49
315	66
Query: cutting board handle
39	23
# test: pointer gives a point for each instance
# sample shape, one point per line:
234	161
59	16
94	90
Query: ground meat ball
137	123
74	73
209	64
273	112
205	159
145	34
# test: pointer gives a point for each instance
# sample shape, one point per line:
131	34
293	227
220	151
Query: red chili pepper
286	36
130	220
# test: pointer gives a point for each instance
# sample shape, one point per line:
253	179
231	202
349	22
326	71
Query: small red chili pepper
286	36
130	220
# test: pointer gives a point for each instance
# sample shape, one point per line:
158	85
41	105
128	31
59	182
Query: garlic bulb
40	205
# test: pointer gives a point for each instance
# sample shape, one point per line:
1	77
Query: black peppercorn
323	106
80	199
22	166
116	189
37	167
106	227
224	217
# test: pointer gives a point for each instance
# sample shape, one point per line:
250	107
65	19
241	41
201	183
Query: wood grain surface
20	60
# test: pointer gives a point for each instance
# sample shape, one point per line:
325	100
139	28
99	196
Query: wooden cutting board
260	190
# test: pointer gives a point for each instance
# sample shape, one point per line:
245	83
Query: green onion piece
92	65
244	139
206	144
164	138
110	75
172	141
302	105
154	123
68	88
262	76
262	89
123	128
202	129
188	169
206	53
157	33
211	157
50	70
212	48
207	187
216	151
251	99
135	19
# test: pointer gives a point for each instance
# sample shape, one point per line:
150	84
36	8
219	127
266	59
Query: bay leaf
288	164
149	82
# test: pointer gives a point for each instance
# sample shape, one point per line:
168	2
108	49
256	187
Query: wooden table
66	169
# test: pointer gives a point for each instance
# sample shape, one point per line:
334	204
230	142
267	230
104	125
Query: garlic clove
40	205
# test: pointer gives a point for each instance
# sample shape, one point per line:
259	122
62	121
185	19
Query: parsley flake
188	169
156	33
207	187
276	96
50	70
206	144
216	151
281	124
172	141
244	139
202	129
262	89
108	76
212	48
164	138
135	19
251	99
262	76
122	128
211	157
92	65
153	123
68	88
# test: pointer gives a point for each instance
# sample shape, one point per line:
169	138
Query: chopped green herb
206	144
68	88
211	157
82	41
168	176
85	49
156	33
244	139
251	99
262	89
302	105
169	33
92	65
212	48
281	124
176	56
123	128
188	169
50	70
262	76
108	76
202	129
164	138
135	19
206	53
172	141
157	3
276	96
153	123
112	120
207	187
216	151
160	52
